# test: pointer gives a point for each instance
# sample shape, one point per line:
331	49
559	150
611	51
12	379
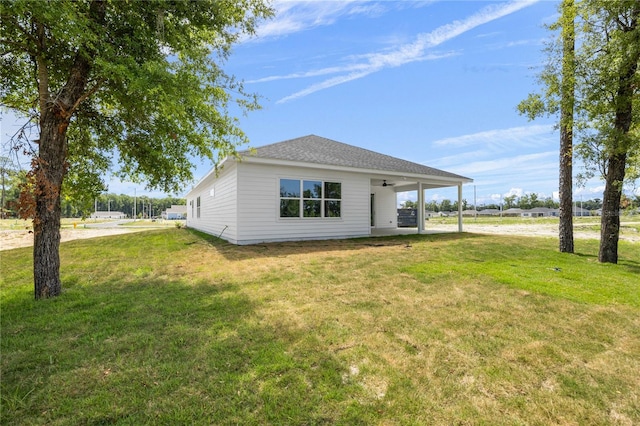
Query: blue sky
434	82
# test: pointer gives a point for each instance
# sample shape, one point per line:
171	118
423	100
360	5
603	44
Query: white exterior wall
259	205
386	210
218	204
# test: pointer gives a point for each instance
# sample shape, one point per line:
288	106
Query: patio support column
420	209
460	207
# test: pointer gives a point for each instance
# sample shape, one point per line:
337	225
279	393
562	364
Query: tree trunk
49	171
617	158
566	128
610	222
50	165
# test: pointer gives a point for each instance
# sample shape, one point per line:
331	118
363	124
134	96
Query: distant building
538	212
512	212
175	212
489	212
108	215
579	211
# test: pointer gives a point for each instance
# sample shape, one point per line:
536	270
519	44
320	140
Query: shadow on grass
280	249
628	263
162	352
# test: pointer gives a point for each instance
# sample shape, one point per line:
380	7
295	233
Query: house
512	212
309	188
489	212
579	211
537	212
175	212
107	215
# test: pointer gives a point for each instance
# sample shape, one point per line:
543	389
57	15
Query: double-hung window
310	198
198	207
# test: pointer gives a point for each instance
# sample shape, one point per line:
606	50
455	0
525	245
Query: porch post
420	208
460	207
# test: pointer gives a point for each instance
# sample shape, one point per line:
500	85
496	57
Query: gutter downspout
459	207
420	209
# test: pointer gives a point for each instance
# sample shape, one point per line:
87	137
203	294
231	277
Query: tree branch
86	95
41	68
27	34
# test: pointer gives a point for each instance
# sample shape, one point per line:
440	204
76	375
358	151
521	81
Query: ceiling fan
384	183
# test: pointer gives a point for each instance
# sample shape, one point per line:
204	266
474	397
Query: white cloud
416	50
529	135
518	192
295	16
352	68
517	165
359	72
597	189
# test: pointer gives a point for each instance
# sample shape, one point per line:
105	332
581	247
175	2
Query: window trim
302	199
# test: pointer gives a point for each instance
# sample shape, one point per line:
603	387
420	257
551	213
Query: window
310	198
191	204
198	207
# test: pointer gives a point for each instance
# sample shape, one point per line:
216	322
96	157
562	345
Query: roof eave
417	176
212	171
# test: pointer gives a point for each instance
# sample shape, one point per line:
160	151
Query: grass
175	327
147	223
65	223
508	220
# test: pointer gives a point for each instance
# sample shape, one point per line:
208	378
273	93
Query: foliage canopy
135	83
155	91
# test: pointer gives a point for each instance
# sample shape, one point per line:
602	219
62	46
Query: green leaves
606	79
156	94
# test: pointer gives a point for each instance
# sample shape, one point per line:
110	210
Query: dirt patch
11	239
581	231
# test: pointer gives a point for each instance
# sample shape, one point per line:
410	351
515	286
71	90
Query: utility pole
475	205
3	164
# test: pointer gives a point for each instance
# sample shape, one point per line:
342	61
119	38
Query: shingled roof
319	150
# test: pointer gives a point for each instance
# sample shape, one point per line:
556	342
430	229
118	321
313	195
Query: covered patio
391	232
384	203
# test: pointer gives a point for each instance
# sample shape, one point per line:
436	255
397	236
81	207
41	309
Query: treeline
525	202
145	207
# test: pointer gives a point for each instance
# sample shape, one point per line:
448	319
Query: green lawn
173	327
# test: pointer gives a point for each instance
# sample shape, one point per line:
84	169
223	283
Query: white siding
218	204
386	210
259	205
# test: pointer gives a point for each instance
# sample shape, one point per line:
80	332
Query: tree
431	206
559	79
567	104
5	169
612	44
15	180
510	201
529	201
606	84
446	206
137	84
